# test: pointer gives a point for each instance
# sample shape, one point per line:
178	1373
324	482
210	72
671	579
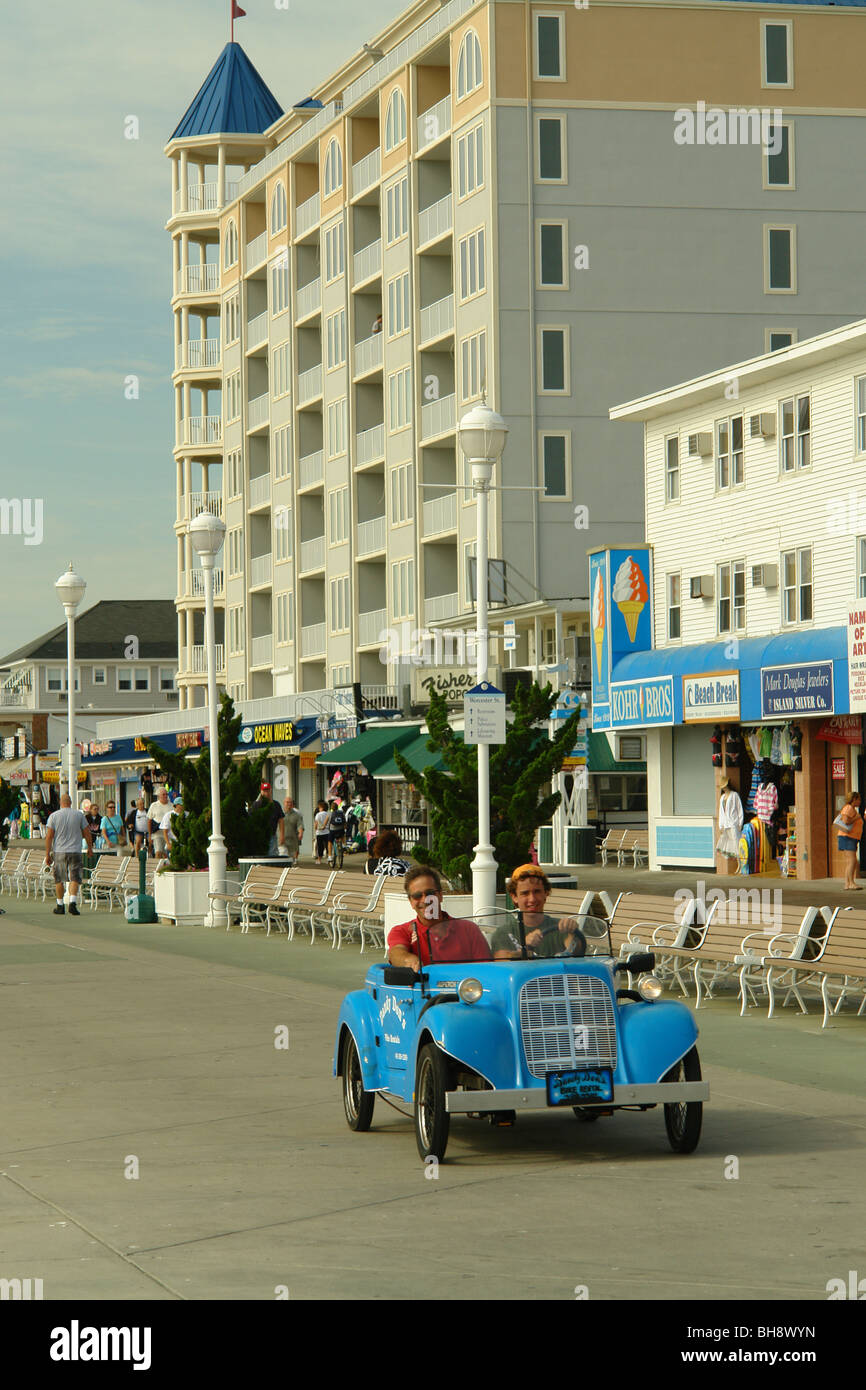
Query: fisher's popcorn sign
620	585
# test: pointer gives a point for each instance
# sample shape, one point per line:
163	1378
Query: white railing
304	135
202	352
15	699
198	660
257	251
438	416
311	469
202	429
205	502
367	261
195	583
434	123
371	535
442	606
313	640
307	215
437	318
312	554
371	625
261	569
434	221
401	54
380	696
366	172
262	650
440	514
257	329
202	197
368	354
260	489
258	411
370	444
309	299
309	384
200	279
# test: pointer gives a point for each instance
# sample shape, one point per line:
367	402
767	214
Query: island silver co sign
789	690
711	697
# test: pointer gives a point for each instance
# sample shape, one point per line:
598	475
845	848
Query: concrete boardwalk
149	1050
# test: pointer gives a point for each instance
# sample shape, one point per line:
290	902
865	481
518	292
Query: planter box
182	898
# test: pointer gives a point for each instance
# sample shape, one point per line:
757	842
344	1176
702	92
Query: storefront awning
600	757
417	754
372	748
15	770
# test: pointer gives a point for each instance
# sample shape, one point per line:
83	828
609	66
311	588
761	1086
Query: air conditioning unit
765	576
762	426
630	748
701	586
700	445
515	676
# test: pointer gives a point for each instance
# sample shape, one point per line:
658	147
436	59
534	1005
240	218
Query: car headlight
650	987
470	991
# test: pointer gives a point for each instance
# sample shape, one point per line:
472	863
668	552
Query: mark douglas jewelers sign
797	689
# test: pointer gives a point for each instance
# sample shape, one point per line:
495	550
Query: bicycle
339	847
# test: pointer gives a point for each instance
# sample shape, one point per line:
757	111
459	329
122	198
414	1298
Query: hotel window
281	371
550	149
469	549
861	567
279	210
403	589
230	253
777	53
780	260
778	157
236	630
99	675
282	535
233	394
333	168
797	586
672	468
396	211
335	251
470	72
133	678
338	516
235	551
280	284
398	305
232	320
553	364
235	474
729	452
402	493
470	162
337	428
56	678
731	589
336	331
399	398
473	273
549	47
166	678
551	256
285	625
775	339
340	675
674	605
795	433
555	467
473	366
340	604
282	451
860	409
395	121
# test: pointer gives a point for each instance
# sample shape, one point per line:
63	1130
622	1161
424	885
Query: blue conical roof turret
233	100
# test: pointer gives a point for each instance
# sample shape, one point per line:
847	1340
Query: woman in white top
321	821
730	821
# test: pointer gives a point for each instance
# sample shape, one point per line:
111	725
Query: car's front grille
567	1021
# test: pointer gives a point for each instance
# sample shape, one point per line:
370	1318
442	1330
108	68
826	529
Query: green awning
372	748
417	754
600	757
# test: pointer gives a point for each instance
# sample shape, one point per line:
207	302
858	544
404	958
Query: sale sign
857	660
838	771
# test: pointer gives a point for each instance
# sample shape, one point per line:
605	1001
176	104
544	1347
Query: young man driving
545	936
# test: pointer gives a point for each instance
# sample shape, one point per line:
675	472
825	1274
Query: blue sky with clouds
86	270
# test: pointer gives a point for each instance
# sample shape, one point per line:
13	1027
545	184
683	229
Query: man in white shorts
155	816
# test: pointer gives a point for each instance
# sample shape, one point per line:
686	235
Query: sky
85	263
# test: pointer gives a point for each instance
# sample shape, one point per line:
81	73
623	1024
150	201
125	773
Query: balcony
261	569
370	445
307	215
258	412
371	535
202	429
195	583
435	222
434	123
366	172
442	606
309	385
260	490
309	300
311	470
368	354
371	626
312	554
256	251
313	640
197	353
367	262
201	197
197	659
438	417
257	330
200	279
262	650
205	502
437	319
440	514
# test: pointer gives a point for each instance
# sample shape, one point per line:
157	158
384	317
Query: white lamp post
70	589
482	435
207	533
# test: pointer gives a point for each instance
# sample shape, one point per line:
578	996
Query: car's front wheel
357	1103
432	1120
683	1119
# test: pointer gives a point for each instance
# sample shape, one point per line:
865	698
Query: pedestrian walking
63	837
155	816
276	829
135	824
849	825
111	827
293	829
321	821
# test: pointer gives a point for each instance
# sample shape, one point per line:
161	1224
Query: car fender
653	1038
357	1015
479	1036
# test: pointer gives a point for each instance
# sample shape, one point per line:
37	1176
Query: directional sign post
484	714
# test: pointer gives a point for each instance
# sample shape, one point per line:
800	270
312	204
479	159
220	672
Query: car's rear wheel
357	1103
432	1120
683	1119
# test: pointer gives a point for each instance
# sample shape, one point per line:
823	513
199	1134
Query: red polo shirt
461	940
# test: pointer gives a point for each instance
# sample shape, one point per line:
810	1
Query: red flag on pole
237	13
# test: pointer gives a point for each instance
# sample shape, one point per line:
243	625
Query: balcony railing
197	352
205	502
258	411
434	123
440	514
257	251
200	279
257	329
435	221
442	606
313	640
307	215
202	197
438	416
371	625
366	172
261	569
371	535
309	385
312	554
309	299
311	469
368	354
202	429
197	657
370	444
437	319
367	262
195	583
15	699
262	650
260	490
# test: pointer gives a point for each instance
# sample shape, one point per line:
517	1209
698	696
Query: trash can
580	844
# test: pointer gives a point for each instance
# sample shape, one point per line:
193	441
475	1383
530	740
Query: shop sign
451	683
194	739
20	777
857	660
842	728
307	760
797	689
96	750
263	735
54	777
620	587
640	704
838	774
711	697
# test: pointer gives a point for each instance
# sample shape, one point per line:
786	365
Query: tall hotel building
495	197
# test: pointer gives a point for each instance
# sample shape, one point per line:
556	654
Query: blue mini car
493	1038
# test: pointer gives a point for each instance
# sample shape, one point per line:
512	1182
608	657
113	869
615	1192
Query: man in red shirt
433	932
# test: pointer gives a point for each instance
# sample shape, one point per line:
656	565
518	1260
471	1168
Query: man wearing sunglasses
433	935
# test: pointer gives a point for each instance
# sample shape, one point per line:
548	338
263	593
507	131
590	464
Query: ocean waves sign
797	689
639	704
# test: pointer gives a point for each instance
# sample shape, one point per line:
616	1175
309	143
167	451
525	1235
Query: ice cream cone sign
598	616
630	594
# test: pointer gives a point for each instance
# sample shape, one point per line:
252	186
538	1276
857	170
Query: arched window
333	168
278	209
395	121
469	70
231	245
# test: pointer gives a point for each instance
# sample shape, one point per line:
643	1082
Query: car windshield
514	935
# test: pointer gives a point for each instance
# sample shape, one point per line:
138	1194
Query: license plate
579	1087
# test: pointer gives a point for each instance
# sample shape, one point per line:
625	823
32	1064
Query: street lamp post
70	589
207	533
482	435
